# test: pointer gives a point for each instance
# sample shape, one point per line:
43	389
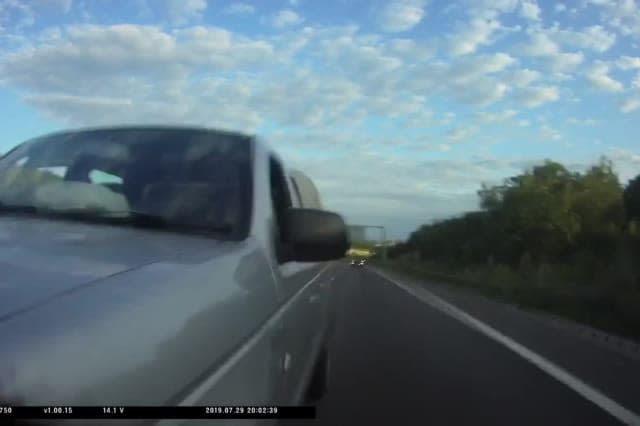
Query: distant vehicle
357	262
161	265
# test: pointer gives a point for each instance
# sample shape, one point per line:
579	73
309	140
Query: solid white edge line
196	394
593	395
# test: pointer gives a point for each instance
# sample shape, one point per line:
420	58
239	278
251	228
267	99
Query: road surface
397	360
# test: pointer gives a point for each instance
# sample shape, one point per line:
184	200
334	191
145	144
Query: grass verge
607	307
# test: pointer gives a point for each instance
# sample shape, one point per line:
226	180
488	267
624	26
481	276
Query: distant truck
162	266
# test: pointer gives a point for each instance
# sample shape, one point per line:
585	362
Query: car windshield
182	177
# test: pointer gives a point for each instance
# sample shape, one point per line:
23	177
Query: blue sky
398	109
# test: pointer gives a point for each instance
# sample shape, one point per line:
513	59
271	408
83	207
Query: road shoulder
613	370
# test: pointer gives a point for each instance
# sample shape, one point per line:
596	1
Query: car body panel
172	316
40	258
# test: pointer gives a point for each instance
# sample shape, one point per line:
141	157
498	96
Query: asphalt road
396	360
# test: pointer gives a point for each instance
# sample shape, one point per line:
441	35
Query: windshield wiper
133	218
147	220
16	208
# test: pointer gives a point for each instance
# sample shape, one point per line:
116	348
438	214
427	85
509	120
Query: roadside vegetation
548	239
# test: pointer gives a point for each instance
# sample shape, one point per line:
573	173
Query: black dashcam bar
136	412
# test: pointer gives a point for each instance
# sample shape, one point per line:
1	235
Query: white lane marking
595	396
196	394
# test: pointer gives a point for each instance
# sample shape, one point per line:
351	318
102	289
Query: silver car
156	266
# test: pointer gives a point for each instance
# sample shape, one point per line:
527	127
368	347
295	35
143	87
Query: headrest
184	202
79	195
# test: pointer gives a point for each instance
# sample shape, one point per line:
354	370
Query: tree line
548	227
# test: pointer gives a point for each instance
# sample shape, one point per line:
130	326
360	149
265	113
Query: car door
297	284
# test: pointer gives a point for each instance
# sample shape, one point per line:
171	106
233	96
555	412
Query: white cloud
182	11
631	104
586	3
558	77
595	38
168	74
536	96
50	34
61	106
61	6
559	7
483	64
410	50
546	42
15	15
623	15
493	117
65	5
598	76
529	9
626	163
541	45
239	9
628	62
473	34
375	68
490	9
401	15
487	92
182	75
549	133
470	79
582	121
566	62
421	119
446	118
285	18
522	78
460	133
305	99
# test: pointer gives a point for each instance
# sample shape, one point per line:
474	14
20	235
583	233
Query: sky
399	110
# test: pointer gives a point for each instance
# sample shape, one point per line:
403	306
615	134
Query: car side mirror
314	235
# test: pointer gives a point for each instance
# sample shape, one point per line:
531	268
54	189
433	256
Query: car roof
158	127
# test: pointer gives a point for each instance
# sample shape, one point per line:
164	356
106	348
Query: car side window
281	200
100	177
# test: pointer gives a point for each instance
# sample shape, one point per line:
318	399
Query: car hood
41	259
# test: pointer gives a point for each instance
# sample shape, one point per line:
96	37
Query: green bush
549	239
610	307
